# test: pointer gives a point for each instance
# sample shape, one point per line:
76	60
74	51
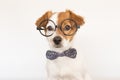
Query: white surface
22	47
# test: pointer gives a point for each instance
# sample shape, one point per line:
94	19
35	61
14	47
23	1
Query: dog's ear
79	20
46	15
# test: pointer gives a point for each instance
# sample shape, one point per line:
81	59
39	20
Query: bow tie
71	53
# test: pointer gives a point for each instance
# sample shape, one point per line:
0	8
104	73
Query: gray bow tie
71	53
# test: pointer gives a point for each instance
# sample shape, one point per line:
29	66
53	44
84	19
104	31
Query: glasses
68	27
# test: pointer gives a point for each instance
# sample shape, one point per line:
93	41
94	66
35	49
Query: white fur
64	68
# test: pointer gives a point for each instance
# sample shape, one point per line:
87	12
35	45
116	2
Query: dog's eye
49	28
67	27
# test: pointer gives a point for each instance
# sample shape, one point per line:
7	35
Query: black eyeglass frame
58	26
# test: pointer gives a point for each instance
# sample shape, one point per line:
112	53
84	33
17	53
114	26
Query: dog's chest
64	66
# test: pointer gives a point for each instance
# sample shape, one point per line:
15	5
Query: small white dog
64	61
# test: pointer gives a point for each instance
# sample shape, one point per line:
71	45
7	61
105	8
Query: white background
22	48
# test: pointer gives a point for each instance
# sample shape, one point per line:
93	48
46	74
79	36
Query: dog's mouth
58	46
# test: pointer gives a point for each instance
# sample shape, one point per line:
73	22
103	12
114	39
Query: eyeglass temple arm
39	28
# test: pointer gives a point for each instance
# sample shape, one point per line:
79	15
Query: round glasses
68	27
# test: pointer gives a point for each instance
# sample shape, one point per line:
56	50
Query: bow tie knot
71	53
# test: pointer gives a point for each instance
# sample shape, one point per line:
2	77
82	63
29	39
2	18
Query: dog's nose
57	40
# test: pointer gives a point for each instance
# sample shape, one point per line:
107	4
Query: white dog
64	61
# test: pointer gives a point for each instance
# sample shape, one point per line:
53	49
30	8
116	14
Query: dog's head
59	28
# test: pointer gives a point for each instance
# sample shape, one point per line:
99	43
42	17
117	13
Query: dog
64	61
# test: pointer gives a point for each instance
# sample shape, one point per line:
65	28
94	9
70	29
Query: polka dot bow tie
71	53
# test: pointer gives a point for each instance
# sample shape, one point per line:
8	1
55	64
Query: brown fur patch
69	14
47	15
79	19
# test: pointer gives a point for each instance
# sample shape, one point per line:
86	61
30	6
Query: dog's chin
57	46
